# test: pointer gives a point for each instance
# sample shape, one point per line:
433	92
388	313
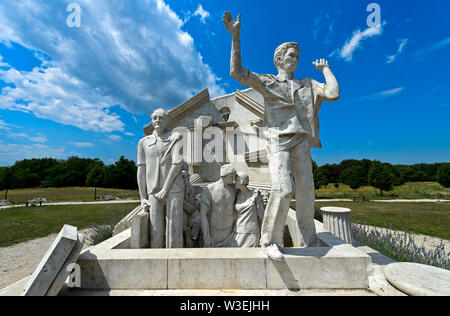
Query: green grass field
432	219
412	190
66	194
417	190
23	224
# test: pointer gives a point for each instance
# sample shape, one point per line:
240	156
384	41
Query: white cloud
5	126
10	153
324	25
82	144
115	138
402	44
202	13
355	42
129	134
34	139
381	94
422	54
39	139
131	53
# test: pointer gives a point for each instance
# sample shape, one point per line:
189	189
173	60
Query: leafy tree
319	176
355	177
380	177
443	175
95	177
7	177
121	175
332	172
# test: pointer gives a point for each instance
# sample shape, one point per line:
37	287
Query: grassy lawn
432	219
66	194
23	224
412	190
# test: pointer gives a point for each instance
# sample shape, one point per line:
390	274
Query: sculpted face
242	181
289	61
160	120
229	179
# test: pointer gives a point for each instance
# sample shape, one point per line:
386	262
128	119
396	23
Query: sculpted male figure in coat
161	185
292	122
217	210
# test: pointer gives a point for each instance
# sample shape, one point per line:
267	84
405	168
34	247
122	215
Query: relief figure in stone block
250	213
217	210
291	121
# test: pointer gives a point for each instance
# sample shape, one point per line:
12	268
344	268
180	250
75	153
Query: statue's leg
174	220
278	206
305	193
157	223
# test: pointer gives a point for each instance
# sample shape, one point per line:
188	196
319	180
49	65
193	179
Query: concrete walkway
138	201
76	203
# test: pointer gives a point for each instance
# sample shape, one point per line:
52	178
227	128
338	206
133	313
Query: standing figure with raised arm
292	122
161	185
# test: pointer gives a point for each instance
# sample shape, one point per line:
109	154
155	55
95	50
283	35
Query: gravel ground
19	261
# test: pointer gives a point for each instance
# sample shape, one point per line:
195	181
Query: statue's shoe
274	253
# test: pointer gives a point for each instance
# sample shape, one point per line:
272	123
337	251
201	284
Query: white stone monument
292	121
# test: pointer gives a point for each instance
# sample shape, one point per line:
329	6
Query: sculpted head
287	56
161	120
228	174
242	180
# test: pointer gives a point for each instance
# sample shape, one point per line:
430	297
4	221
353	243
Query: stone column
338	221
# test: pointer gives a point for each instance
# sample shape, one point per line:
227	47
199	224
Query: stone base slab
110	267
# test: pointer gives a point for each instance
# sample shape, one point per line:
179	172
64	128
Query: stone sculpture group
228	213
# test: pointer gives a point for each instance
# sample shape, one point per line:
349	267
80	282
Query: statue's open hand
161	195
321	64
232	26
145	203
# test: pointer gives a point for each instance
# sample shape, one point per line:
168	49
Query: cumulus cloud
202	13
355	42
128	53
402	44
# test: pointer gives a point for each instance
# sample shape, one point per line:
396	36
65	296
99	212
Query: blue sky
88	91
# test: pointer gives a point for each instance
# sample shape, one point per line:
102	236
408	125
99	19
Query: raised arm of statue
234	28
331	91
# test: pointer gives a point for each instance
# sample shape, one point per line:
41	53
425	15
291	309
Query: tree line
82	172
74	171
384	176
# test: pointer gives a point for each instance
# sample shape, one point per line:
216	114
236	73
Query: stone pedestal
337	220
140	231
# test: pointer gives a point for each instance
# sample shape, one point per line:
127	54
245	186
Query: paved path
76	203
387	201
138	201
